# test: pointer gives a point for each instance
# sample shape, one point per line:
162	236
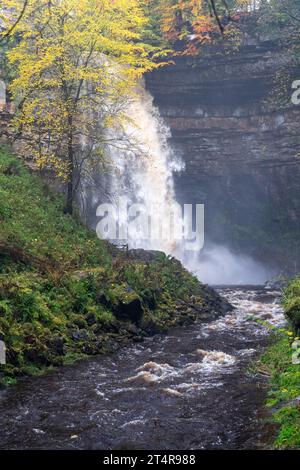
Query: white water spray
217	265
143	172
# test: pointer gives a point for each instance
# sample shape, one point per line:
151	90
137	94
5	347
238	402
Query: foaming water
139	183
145	175
187	390
141	173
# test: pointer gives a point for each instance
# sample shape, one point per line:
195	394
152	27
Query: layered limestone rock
239	145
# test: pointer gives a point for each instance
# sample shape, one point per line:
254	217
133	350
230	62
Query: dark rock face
214	302
56	345
5	127
240	150
81	335
131	310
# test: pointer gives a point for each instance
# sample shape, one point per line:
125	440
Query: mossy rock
126	303
65	294
292	311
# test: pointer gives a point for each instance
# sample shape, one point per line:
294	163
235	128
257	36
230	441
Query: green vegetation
284	391
64	294
282	362
291	303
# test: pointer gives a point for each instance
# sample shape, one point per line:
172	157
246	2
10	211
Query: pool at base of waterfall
190	389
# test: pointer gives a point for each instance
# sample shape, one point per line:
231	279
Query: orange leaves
187	24
204	27
187	21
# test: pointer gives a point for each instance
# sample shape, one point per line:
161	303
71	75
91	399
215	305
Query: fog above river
218	265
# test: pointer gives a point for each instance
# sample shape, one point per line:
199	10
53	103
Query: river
191	389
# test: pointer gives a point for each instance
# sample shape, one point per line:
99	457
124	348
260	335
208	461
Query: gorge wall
239	147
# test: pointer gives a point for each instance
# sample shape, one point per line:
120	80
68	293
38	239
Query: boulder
293	313
126	303
130	309
81	335
91	319
56	345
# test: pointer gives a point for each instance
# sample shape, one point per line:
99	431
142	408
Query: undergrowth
65	294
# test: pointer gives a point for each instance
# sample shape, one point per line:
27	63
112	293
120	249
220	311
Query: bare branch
13	27
215	13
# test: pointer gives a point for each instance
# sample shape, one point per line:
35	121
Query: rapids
191	389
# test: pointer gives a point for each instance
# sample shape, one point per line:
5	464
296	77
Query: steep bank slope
65	294
240	148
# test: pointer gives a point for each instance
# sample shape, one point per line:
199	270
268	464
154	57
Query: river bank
280	363
191	389
65	294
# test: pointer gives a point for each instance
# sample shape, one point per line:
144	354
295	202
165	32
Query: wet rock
214	302
110	346
36	356
150	328
267	316
130	309
91	319
81	335
103	299
206	316
91	349
265	297
56	345
138	339
80	323
276	284
132	328
147	256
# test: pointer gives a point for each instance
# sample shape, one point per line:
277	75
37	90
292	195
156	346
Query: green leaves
284	391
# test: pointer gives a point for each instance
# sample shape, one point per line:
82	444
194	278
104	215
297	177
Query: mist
145	174
218	265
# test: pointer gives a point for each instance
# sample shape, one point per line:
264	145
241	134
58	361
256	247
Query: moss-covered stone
291	303
126	303
65	295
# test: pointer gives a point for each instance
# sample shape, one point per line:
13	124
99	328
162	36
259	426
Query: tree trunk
70	184
70	197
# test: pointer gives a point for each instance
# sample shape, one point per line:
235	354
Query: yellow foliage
76	61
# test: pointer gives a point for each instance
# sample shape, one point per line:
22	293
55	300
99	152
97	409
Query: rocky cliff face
5	127
239	148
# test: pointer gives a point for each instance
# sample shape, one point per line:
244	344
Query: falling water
142	167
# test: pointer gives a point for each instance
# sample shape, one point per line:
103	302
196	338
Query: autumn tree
190	24
77	64
11	17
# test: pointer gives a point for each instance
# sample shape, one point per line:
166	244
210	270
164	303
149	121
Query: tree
189	24
77	64
10	18
280	16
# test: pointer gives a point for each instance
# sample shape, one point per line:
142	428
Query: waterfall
142	166
141	169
